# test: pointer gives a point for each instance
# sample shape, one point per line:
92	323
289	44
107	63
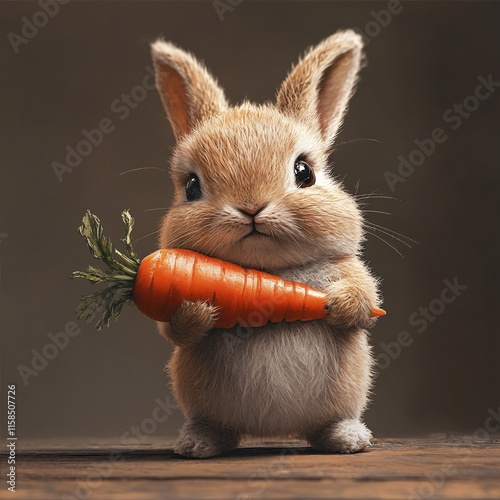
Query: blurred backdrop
422	132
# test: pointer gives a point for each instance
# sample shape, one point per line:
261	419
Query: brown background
65	79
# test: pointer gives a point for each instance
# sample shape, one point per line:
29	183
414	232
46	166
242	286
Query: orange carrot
160	282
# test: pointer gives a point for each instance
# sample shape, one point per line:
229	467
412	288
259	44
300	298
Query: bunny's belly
282	379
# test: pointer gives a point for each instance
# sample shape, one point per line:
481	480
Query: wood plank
382	464
220	489
436	467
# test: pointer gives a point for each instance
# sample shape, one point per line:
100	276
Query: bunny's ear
318	88
188	92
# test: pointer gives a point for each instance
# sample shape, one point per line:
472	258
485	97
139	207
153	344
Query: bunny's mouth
255	234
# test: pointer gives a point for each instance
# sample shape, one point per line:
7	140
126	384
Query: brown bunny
252	186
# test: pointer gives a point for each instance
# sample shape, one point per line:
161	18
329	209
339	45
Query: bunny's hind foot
343	436
199	438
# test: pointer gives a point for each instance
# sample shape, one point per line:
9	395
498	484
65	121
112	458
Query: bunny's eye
193	188
304	175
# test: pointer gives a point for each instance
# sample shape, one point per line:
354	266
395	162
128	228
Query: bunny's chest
283	358
317	274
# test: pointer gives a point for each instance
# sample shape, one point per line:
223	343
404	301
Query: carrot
160	282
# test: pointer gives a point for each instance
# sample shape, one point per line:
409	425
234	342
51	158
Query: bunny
253	187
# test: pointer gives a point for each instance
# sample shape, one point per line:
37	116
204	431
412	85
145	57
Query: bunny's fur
304	379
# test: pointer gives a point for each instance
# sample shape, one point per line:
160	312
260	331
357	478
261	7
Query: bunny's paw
347	308
199	439
190	323
344	436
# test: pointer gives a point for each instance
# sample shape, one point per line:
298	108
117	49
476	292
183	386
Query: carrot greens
120	273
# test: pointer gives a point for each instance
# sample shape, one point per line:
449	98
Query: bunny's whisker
147	235
374	195
386	242
163	170
352	141
392	233
378	230
356	188
376	212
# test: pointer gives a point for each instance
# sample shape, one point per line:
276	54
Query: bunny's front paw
191	322
347	307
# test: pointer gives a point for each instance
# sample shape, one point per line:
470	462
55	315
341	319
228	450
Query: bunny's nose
252	210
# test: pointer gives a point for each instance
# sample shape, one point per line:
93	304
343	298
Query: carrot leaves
120	273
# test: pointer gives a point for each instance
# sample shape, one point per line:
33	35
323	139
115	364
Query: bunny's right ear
188	92
319	87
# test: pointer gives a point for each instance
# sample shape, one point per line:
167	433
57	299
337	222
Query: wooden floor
435	467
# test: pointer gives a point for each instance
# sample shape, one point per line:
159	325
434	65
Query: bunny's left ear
318	88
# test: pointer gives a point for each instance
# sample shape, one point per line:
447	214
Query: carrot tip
376	312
